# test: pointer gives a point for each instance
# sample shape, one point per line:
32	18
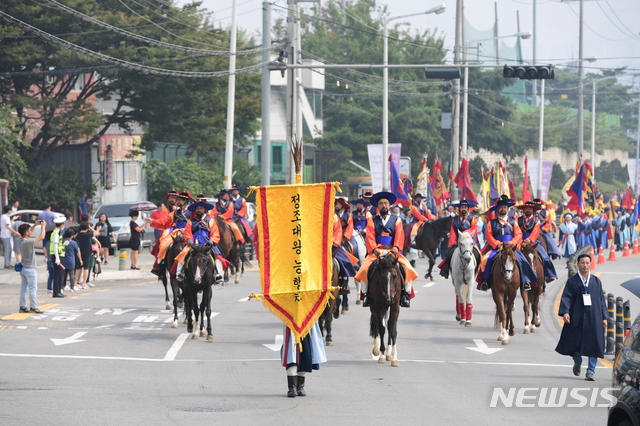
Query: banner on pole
376	163
547	171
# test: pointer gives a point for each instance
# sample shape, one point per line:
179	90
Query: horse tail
373	327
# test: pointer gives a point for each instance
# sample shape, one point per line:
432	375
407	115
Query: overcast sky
611	27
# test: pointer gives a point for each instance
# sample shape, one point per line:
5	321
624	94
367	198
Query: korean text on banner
294	227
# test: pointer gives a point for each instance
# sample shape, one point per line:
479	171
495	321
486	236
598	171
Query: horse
326	318
343	296
174	250
238	267
532	297
464	267
231	250
385	289
199	277
429	237
361	254
505	278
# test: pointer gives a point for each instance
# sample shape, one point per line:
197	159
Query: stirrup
526	286
367	301
484	286
405	302
180	276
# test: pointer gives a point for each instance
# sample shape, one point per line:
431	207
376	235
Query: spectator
82	205
28	274
47	215
105	235
84	244
136	237
15	205
6	234
69	222
22	218
71	258
568	236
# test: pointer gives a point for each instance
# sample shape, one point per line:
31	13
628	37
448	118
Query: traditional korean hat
173	193
504	200
359	201
207	206
535	206
343	202
383	195
185	194
465	202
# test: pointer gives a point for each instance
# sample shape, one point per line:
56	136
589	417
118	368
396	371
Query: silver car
32	216
118	215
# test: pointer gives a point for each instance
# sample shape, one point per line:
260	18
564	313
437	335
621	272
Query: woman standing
136	237
83	238
105	236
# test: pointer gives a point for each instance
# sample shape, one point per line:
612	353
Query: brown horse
326	319
231	250
176	288
385	288
505	278
429	237
532	297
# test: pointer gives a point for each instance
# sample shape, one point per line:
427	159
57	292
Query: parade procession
269	213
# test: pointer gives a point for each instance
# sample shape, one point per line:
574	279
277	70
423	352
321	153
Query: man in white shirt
7	233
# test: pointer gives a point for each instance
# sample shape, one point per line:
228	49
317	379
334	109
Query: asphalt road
109	355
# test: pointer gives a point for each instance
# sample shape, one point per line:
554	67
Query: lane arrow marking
72	339
482	347
276	345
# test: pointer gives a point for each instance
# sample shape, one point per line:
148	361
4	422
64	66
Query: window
79	84
131	173
276	158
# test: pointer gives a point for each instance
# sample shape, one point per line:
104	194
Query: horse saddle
374	268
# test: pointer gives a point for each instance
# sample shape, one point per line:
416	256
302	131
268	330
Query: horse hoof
468	323
458	318
382	359
462	322
358	302
533	330
344	312
195	336
537	323
169	307
376	352
506	341
500	338
526	330
329	343
180	305
389	357
395	363
242	275
189	330
175	324
426	276
210	337
512	332
203	333
184	322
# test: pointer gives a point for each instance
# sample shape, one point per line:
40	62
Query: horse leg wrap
469	311
460	310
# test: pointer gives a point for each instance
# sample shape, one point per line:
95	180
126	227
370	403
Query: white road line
173	351
21	327
621	273
432	283
244	299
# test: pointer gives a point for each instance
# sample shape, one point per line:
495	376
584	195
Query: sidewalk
10	280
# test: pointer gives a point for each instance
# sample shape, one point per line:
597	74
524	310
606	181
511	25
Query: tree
12	164
42	77
180	174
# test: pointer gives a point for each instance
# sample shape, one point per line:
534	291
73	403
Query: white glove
57	260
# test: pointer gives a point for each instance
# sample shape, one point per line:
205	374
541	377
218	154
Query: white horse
361	254
463	271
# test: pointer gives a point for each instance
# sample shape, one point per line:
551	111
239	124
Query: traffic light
529	72
444	73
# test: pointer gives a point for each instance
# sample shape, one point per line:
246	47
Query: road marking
173	350
20	316
432	283
133	285
5	327
277	343
482	347
71	339
244	299
103	289
107	326
43	328
21	327
605	363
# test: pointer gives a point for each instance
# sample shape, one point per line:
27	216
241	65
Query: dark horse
199	277
232	250
326	319
505	278
385	288
429	237
532	297
174	249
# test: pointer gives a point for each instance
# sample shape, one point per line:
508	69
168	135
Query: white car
32	216
118	215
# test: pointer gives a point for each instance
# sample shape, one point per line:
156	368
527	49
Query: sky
611	27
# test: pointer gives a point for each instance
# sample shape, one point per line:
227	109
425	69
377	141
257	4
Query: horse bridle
502	266
379	271
464	262
204	271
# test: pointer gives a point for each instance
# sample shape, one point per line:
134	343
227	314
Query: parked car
32	217
626	381
118	215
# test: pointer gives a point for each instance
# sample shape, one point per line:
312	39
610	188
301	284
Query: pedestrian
71	258
301	359
82	206
105	235
15	205
69	222
83	238
56	250
22	218
136	238
28	274
47	215
7	233
584	311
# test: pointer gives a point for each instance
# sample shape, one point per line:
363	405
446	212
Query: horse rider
463	223
419	215
171	197
500	230
225	209
173	224
201	229
530	226
345	260
385	234
546	215
240	207
371	209
359	215
621	228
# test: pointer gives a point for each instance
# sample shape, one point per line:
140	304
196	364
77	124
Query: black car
626	381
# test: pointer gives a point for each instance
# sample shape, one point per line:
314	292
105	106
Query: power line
124	64
509	123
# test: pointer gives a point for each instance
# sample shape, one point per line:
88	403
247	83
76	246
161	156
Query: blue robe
584	335
312	354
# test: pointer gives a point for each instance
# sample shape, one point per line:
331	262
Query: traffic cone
625	251
593	259
612	252
601	256
636	246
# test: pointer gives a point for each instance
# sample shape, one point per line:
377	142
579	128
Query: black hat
504	200
382	195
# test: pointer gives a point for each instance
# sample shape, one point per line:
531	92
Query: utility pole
535	36
455	106
231	103
292	83
580	86
266	95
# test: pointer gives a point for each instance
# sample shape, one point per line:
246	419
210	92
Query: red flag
526	195
463	180
627	200
512	190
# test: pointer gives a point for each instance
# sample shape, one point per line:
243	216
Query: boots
526	286
413	263
404	300
367	300
412	242
301	391
292	381
444	273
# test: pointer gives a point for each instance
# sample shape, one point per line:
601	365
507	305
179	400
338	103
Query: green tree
180	174
12	164
42	78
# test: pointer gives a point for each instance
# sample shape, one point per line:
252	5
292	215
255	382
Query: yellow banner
294	229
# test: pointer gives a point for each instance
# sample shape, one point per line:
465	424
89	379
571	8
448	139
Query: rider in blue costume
530	227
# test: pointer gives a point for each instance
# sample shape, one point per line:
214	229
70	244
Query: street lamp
593	121
385	90
465	114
